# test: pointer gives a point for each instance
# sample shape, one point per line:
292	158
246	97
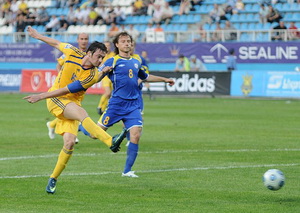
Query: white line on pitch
160	170
155	152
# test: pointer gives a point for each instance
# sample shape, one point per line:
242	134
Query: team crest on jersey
136	65
68	46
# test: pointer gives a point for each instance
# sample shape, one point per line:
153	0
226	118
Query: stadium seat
262	37
150	37
98	37
160	37
244	37
255	8
244	26
170	38
7	39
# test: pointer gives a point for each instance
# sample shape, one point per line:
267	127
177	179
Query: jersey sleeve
66	48
145	65
89	78
61	59
143	70
107	63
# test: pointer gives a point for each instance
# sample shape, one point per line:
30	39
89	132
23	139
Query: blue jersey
124	76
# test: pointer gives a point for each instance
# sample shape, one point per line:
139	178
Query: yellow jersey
73	71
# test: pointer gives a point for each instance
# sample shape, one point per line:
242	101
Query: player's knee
135	136
69	143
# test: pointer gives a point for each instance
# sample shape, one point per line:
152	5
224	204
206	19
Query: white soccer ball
273	179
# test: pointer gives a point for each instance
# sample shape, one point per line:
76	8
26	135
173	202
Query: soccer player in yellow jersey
106	83
83	41
80	71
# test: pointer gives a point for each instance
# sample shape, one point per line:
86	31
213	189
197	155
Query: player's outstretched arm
155	78
104	72
56	93
34	34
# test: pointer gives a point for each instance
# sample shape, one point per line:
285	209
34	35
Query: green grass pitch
196	155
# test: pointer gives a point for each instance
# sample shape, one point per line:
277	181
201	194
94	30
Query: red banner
40	80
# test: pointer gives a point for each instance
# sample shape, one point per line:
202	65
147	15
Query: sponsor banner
27	53
37	80
41	80
253	52
193	83
265	84
248	52
10	80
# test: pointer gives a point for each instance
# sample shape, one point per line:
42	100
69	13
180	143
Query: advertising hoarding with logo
193	83
211	52
265	84
245	52
41	80
10	80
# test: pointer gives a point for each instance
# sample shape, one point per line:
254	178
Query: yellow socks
52	123
96	131
63	158
103	102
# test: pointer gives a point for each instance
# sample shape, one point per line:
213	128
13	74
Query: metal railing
170	36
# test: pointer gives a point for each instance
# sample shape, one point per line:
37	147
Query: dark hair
95	46
116	40
231	51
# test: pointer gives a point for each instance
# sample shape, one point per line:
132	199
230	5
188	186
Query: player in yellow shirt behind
106	83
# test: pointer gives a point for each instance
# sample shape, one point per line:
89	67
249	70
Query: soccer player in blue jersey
124	103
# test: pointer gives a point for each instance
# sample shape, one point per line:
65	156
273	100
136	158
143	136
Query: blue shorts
128	111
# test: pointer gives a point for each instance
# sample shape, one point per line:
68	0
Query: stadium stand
181	28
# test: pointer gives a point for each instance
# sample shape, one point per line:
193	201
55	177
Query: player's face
124	44
107	44
97	57
83	41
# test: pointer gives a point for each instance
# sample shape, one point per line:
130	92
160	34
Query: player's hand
32	98
32	32
170	81
106	70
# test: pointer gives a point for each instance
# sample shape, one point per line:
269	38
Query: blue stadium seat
40	28
255	7
170	38
203	9
248	7
183	27
244	37
72	38
7	39
244	26
235	18
252	26
100	37
262	37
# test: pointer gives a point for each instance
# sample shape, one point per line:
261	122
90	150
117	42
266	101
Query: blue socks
82	129
132	152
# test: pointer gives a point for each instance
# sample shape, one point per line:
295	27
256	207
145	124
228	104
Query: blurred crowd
98	12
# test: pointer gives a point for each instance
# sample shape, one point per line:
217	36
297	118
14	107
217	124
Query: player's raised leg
73	111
